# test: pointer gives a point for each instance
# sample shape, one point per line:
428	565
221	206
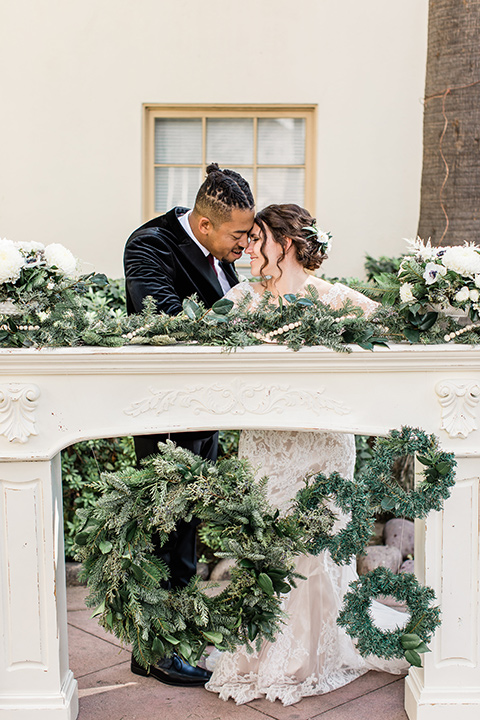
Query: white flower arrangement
441	277
33	280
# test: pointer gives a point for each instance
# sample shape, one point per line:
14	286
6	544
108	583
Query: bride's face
261	252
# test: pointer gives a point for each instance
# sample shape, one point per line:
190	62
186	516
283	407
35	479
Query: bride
311	654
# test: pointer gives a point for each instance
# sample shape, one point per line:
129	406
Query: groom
171	257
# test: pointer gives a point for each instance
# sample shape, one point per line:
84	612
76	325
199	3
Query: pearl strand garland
21	327
457	333
269	337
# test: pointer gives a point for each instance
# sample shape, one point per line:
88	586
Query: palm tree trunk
450	194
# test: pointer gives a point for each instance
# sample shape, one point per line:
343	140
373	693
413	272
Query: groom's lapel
195	264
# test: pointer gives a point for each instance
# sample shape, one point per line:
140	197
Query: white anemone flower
432	271
60	257
464	260
462	295
11	261
406	294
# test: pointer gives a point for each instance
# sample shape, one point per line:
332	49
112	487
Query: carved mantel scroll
17	411
237	399
458	401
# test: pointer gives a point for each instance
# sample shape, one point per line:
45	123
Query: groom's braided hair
222	191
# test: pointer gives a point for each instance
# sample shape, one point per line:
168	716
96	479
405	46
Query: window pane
176	186
281	141
229	140
280	185
178	141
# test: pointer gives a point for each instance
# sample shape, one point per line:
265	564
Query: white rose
432	271
11	261
58	256
462	260
406	294
463	294
474	295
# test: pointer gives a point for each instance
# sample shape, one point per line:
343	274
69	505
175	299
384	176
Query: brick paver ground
109	691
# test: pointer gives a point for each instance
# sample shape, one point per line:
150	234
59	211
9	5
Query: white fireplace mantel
51	398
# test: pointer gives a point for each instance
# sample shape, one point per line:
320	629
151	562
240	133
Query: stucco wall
74	76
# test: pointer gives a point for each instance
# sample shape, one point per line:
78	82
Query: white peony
406	294
58	256
11	261
462	295
462	260
432	271
474	295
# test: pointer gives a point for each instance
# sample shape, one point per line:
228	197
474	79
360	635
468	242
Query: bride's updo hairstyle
294	222
220	193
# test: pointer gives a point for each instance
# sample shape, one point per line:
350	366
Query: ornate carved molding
238	398
458	401
17	411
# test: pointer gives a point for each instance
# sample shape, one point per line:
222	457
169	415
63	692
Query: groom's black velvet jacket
161	260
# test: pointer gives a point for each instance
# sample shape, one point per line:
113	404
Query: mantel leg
447	559
35	681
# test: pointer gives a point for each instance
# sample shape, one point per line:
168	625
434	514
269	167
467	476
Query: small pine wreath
431	491
352	498
406	642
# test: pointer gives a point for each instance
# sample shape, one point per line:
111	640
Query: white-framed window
272	146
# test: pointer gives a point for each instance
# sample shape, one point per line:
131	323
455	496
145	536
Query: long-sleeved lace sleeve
338	294
244	289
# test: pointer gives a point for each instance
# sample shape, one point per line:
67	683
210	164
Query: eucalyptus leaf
214	637
409	641
222	306
413	658
265	583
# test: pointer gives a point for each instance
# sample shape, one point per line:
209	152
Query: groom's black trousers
179	552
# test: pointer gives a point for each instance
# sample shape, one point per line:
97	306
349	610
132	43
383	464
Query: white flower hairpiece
324	239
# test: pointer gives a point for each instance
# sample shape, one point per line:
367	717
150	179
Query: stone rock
379	556
202	570
407	566
399	533
221	571
377	536
393	603
72	570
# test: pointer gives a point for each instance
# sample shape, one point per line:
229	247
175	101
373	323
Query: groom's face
227	240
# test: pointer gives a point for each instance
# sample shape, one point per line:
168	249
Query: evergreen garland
406	642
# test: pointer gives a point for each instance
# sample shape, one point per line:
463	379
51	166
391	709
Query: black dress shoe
173	671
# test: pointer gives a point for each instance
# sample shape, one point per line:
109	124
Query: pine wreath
409	641
431	491
350	497
125	577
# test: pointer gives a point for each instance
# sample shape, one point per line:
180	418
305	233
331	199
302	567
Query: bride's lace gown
311	654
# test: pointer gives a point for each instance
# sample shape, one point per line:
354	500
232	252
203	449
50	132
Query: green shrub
81	464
